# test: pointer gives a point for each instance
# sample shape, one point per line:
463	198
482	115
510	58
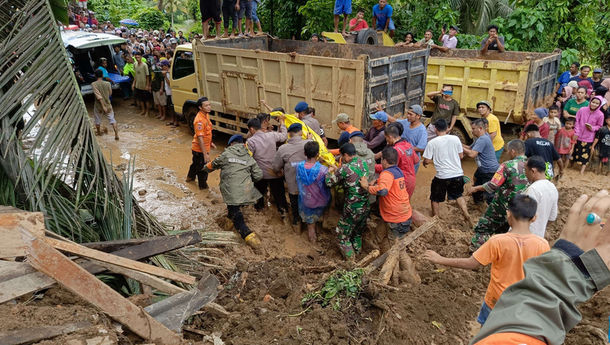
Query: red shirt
391	189
362	25
544	128
407	159
564	140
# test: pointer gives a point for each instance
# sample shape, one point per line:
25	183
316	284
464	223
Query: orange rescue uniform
391	188
350	129
510	338
203	128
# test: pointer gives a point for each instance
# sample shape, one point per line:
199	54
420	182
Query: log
169	242
408	272
143	278
11	220
119	261
34	334
32	282
402	244
48	260
368	258
388	266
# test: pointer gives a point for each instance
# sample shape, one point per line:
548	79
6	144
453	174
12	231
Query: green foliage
467	41
115	10
60	10
151	19
343	284
476	15
192	7
287	22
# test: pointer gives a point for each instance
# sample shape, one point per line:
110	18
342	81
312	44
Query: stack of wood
32	259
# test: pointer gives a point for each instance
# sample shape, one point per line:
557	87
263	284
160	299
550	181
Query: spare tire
367	36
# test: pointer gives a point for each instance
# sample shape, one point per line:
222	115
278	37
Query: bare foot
260	33
232	36
162	118
344	34
217	37
146	114
225	35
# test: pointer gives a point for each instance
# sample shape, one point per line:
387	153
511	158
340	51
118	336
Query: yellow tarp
327	158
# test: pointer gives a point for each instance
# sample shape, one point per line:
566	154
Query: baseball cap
598	70
356	134
416	108
164	62
295	127
301	106
454	27
236	138
484	103
380	115
343	117
173	40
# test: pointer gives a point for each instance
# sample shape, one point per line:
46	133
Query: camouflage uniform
508	180
356	207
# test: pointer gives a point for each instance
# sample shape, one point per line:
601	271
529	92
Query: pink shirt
449	42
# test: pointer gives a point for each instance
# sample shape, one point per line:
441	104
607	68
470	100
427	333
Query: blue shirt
104	71
417	137
382	15
486	159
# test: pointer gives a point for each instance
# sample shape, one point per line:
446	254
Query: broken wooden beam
168	242
368	258
35	281
11	220
12	269
143	278
119	261
34	334
48	260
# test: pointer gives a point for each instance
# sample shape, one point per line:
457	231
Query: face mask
448	92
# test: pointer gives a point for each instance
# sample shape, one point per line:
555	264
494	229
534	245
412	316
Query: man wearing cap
262	145
285	161
449	41
342	121
304	114
446	108
364	153
375	138
597	78
414	130
493	127
238	172
356	206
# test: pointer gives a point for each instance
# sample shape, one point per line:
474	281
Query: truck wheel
189	112
368	36
460	133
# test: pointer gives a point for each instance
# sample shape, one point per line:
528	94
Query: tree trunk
160	5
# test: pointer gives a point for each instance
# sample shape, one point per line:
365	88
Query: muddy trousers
492	222
238	220
294	207
278	191
350	227
481	178
196	170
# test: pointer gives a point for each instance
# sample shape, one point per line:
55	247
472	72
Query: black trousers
196	170
481	178
238	220
294	206
276	186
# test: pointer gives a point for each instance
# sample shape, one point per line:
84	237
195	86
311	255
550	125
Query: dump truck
514	82
237	74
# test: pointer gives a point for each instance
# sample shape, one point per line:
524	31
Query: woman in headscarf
565	94
588	121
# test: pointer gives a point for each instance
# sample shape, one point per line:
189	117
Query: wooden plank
143	278
119	261
33	334
32	282
12	269
11	219
76	279
182	239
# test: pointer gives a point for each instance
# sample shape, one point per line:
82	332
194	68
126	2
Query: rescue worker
356	205
238	172
285	160
201	144
508	180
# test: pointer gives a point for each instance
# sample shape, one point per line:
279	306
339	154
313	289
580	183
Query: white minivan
86	49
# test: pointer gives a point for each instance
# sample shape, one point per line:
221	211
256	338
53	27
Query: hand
443	31
206	157
589	127
263	102
432	256
378	106
281	118
148	88
309	136
332	169
236	7
364	182
589	236
212	145
133	87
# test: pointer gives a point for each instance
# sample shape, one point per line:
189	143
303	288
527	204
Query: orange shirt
510	338
203	128
506	253
391	188
350	129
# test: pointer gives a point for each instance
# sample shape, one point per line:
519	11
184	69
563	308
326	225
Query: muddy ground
263	290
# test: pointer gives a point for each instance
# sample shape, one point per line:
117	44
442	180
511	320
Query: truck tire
367	36
459	132
189	111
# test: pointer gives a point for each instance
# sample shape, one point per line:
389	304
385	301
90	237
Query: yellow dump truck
514	82
236	74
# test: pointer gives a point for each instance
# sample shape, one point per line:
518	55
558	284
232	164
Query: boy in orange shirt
505	252
391	189
201	144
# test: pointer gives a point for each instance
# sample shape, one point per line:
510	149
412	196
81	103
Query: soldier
356	207
238	172
508	180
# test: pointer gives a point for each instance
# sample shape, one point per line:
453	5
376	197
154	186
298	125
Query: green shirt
142	73
572	107
129	70
445	109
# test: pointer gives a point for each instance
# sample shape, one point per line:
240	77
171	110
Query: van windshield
183	65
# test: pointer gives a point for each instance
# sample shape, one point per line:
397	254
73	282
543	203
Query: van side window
183	65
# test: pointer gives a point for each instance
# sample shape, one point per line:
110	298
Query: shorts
391	26
97	117
82	4
398	230
141	95
484	313
159	98
210	9
343	7
245	8
453	188
253	11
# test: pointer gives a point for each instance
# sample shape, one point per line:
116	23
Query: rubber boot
253	241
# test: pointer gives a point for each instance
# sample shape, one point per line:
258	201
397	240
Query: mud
263	289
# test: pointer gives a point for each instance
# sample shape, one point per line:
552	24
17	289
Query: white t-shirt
545	194
449	42
445	152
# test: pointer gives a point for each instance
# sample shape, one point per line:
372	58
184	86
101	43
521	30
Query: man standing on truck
492	41
201	144
382	17
493	127
210	10
342	7
446	108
